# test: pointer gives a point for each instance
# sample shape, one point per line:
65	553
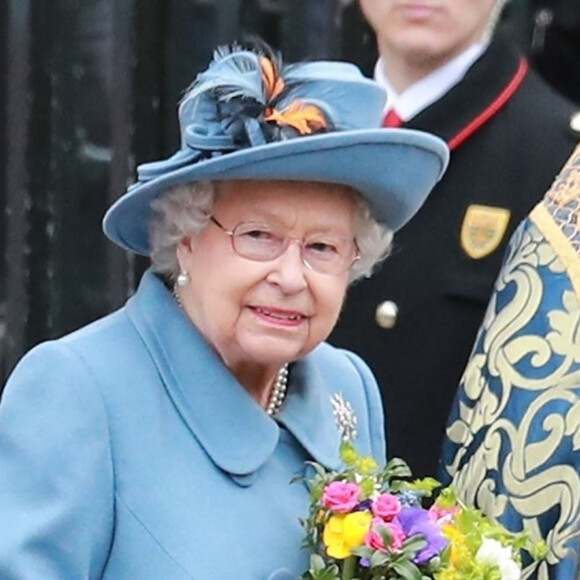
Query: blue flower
410	498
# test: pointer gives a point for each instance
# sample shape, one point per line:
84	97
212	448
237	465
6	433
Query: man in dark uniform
509	135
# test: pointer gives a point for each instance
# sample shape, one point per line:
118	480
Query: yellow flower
348	453
448	574
459	550
367	465
333	538
342	533
356	527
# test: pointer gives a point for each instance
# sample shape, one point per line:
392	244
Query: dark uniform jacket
554	43
509	135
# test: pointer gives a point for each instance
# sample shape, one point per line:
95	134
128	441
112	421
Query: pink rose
440	515
374	539
386	506
341	497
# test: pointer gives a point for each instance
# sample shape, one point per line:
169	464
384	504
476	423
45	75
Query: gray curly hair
186	210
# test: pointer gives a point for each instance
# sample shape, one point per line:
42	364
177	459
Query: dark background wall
88	89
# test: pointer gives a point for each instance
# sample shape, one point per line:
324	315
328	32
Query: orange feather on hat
304	118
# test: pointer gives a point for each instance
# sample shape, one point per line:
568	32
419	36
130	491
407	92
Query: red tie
392	119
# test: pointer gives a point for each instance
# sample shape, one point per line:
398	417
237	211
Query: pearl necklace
278	392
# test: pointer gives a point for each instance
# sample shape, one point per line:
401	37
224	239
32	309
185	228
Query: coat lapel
308	414
233	430
237	435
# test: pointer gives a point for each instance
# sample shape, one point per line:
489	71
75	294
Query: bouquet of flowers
368	523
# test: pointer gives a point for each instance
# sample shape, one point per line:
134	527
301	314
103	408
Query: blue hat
250	117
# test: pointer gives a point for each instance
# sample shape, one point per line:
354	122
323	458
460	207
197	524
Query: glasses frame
289	239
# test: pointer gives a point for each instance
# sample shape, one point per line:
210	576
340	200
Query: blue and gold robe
512	442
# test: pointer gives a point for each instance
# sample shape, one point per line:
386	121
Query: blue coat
128	451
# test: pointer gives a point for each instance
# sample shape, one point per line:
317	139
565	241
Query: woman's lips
418	10
279	317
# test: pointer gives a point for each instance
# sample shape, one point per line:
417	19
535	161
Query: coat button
386	314
575	122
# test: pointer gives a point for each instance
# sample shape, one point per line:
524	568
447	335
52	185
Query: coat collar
234	431
486	87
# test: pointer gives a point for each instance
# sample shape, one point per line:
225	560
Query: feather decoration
304	118
328	97
234	73
243	86
273	82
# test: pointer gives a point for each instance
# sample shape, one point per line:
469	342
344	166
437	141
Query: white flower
510	570
493	553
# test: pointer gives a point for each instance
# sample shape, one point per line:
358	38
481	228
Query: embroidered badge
483	229
345	417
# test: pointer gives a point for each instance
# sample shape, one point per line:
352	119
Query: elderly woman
160	442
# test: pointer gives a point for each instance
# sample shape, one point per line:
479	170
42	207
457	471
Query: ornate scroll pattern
513	439
563	201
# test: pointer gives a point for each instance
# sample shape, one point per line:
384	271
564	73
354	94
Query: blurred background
88	90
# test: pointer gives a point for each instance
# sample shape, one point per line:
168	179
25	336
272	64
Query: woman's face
266	313
427	33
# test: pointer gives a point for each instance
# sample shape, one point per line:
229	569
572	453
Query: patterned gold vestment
513	438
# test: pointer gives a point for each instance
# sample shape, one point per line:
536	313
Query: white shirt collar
430	88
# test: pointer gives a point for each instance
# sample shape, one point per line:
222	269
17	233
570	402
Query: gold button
386	314
575	122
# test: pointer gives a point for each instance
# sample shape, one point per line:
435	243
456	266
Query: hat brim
393	169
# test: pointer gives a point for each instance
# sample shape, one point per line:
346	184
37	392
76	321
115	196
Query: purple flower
363	506
415	521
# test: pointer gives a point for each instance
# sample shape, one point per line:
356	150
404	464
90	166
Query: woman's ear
184	250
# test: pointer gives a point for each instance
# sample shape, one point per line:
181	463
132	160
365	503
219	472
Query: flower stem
349	568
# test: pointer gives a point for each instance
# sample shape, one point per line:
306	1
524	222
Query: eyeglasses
323	253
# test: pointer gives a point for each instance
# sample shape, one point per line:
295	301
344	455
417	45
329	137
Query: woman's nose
288	270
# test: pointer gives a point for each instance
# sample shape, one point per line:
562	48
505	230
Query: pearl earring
183	279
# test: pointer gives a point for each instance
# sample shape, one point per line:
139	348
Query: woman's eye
256	234
322	248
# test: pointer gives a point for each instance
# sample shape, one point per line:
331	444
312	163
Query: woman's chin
273	351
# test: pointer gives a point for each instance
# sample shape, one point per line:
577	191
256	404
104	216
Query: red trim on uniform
494	108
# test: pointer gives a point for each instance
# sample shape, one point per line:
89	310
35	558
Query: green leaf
413	544
316	563
427	485
447	498
363	552
328	574
386	535
407	570
320	470
397	467
379	559
332	573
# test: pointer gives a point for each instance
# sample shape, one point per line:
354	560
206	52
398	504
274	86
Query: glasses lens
257	241
328	254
